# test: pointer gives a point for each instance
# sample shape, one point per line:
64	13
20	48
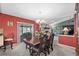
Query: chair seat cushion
9	39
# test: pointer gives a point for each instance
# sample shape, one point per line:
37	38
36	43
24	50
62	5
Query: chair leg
45	53
38	53
52	47
11	45
30	50
48	49
4	46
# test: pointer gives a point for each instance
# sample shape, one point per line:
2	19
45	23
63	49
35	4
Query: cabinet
1	37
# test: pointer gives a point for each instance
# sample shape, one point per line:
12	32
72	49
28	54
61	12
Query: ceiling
50	12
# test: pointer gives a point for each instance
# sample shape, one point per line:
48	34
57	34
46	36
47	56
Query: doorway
23	28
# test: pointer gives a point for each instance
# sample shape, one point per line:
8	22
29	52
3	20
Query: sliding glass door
26	29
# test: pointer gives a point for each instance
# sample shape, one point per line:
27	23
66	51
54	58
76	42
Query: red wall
4	18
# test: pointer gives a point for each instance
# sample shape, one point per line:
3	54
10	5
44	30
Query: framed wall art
10	23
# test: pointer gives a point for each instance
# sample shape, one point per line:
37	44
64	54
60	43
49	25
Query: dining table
32	42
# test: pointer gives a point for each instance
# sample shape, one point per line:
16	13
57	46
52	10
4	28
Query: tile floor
20	50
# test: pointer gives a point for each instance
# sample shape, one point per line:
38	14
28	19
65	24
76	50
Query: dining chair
49	44
40	48
8	40
27	38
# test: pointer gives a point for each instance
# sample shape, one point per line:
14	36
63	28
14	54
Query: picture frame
10	23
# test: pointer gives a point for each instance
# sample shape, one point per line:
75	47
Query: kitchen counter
69	40
67	35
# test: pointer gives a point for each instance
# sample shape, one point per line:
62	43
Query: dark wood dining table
33	42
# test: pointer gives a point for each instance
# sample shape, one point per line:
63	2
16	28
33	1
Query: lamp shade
65	29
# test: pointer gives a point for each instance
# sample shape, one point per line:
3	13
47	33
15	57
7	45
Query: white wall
0	7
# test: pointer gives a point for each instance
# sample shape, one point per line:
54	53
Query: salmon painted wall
4	18
69	40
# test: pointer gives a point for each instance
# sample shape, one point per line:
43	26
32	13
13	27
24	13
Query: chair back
11	35
52	38
29	36
42	43
23	36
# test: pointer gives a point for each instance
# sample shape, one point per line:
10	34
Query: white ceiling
50	12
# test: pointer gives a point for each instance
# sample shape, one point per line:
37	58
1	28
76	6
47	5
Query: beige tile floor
20	50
